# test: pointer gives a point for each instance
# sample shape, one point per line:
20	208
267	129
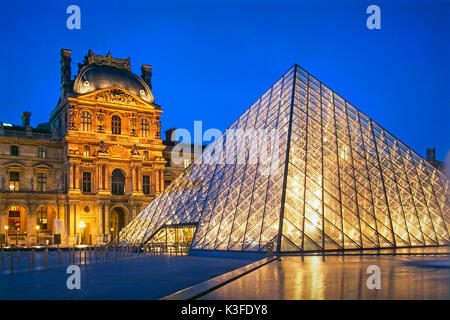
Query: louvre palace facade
93	167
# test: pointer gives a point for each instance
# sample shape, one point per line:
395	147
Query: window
14	180
86	182
42	218
14	150
42	182
146	184
186	163
145	128
42	153
86	121
87	151
116	125
14	218
118	182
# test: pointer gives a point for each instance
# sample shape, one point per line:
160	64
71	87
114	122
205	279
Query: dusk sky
212	59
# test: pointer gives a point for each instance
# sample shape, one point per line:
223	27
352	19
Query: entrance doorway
86	236
116	222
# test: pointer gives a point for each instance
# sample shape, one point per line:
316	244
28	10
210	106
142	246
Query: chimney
66	74
169	134
147	74
431	154
26	119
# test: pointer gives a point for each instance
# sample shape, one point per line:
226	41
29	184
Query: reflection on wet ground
343	277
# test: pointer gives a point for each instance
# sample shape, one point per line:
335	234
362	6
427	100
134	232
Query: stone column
99	222
31	229
157	180
99	177
77	176
107	231
133	179
139	177
107	178
70	178
161	175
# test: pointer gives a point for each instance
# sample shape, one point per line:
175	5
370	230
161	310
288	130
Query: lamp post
6	235
37	235
82	225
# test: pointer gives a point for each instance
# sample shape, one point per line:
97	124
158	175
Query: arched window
145	128
118	182
116	125
86	121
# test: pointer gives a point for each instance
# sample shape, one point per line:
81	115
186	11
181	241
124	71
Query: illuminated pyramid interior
340	182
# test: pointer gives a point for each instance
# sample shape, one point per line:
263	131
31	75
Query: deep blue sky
212	59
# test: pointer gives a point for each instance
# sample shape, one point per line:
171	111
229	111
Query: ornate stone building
93	167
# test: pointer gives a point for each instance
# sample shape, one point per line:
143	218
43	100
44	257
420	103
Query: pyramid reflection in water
336	181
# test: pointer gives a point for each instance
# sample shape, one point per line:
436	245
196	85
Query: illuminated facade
93	167
340	181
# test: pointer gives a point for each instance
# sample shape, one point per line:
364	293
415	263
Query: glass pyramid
338	181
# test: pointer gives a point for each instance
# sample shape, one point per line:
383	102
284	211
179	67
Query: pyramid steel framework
341	182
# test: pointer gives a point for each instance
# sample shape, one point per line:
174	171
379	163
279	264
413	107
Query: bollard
96	254
106	254
59	257
18	259
73	254
32	258
79	251
114	253
2	258
29	261
139	251
46	257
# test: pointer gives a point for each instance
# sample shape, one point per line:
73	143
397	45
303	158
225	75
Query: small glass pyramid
337	181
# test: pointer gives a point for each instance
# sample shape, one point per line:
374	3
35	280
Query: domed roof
94	77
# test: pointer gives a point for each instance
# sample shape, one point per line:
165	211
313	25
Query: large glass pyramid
337	181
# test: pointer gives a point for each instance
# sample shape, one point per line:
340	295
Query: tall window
14	181
42	153
87	182
14	150
145	128
118	182
87	151
116	125
86	121
14	222
42	182
42	218
146	184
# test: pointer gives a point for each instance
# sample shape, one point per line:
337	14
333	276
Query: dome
94	77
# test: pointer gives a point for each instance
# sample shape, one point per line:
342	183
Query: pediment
42	165
14	164
114	95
